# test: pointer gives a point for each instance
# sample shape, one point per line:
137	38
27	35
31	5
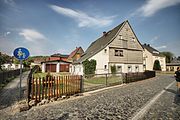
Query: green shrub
113	69
89	66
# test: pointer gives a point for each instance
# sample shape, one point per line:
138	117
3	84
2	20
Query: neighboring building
11	66
55	66
76	54
56	63
173	65
119	47
150	55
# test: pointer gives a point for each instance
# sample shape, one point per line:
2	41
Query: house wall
102	59
162	62
56	69
149	61
76	69
126	41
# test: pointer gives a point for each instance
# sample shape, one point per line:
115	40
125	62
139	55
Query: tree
169	56
89	66
4	58
157	65
113	69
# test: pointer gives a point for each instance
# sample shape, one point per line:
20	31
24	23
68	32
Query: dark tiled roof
152	50
173	64
100	43
59	55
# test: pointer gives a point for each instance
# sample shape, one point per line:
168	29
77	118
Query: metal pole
20	79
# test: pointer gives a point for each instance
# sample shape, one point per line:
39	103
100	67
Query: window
137	69
105	66
105	50
129	69
118	53
120	37
133	39
119	68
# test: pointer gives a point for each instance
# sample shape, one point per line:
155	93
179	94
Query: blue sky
46	27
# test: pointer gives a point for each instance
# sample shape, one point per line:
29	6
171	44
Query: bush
89	66
113	69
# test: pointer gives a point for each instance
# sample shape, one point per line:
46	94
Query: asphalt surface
9	95
113	104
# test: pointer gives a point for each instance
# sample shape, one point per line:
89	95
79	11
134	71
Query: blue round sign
21	53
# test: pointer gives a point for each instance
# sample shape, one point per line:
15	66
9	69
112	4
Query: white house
150	55
119	47
11	66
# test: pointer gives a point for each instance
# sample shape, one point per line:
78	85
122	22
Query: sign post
21	54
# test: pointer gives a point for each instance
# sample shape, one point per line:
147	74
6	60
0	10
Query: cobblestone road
115	103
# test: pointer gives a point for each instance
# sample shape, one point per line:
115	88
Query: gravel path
10	94
116	103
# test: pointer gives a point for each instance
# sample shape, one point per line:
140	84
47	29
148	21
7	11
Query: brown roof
74	52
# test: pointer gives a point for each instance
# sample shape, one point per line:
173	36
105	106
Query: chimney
104	33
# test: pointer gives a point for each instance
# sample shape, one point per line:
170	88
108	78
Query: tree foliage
113	69
169	56
89	66
157	65
4	59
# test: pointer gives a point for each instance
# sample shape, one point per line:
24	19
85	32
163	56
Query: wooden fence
54	87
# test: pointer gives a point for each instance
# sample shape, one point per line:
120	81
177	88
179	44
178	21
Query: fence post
126	78
81	84
106	80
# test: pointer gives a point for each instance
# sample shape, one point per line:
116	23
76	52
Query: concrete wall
149	61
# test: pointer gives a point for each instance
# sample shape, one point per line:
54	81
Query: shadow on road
171	90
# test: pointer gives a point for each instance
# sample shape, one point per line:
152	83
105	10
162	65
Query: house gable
126	38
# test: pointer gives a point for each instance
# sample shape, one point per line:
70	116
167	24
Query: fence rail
96	81
54	87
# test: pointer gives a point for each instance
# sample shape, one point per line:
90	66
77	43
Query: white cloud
7	33
82	18
153	6
10	2
32	35
161	47
154	39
